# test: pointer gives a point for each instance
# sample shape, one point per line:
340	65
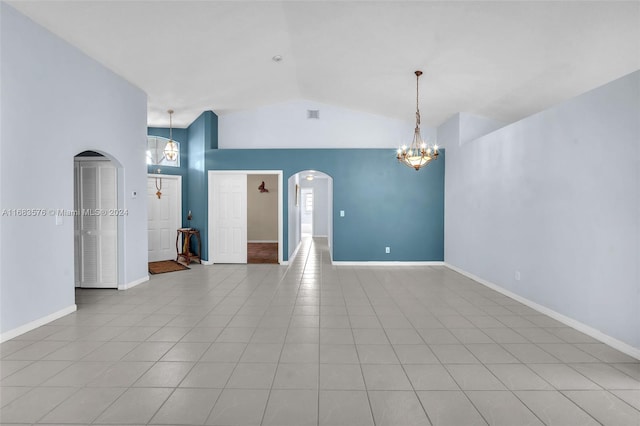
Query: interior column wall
53	99
548	207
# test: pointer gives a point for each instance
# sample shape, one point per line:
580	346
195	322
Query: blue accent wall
202	134
385	203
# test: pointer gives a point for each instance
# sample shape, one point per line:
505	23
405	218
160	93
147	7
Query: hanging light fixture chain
418	74
419	153
171	148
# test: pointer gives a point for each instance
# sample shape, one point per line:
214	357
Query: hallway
312	344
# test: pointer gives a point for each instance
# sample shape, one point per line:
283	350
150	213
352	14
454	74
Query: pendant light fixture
419	153
171	148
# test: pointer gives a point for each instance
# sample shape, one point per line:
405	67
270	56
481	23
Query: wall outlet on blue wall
341	213
387	250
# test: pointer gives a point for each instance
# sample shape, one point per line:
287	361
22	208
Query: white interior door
165	216
96	224
229	203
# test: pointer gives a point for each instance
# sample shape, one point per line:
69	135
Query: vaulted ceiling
504	60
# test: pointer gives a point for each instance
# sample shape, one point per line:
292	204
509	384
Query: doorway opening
97	223
230	213
310	209
262	218
306	212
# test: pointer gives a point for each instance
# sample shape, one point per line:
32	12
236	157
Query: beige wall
262	208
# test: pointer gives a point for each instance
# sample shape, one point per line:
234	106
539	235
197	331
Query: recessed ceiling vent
313	114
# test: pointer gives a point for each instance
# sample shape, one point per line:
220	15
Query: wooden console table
183	248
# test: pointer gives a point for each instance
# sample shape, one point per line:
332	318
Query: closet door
229	203
96	225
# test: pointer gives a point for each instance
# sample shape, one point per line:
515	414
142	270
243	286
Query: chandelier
419	153
171	148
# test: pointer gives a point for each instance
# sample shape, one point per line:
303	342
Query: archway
310	199
98	220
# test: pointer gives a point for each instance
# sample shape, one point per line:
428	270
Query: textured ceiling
503	60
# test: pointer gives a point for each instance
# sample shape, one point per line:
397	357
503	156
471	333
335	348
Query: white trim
7	335
102	157
386	263
279	173
584	328
133	283
263	241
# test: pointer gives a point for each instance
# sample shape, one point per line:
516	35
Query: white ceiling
503	60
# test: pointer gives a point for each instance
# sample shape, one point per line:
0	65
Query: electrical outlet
387	250
341	213
517	275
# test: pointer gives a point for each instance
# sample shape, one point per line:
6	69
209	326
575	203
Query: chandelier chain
170	125
417	100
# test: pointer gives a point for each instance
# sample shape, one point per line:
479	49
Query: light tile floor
312	344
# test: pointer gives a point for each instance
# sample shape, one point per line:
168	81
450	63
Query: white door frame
211	176
179	196
119	221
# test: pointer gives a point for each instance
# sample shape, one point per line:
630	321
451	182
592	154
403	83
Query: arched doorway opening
98	220
310	208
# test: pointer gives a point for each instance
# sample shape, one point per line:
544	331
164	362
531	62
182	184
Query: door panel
229	218
164	217
96	229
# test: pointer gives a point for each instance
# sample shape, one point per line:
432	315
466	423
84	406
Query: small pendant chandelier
171	148
419	154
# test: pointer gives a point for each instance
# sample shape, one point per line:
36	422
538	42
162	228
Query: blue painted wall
385	203
202	135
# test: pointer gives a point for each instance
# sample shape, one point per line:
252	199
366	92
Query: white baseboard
386	263
584	328
8	335
207	262
295	252
133	283
263	241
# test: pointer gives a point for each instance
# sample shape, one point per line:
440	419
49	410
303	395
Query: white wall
555	196
285	125
293	219
57	102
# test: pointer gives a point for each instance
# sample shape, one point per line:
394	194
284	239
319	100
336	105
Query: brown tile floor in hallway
312	344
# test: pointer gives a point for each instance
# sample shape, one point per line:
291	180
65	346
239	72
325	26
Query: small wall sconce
261	188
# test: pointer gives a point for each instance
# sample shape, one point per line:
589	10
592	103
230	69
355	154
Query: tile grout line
266	405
